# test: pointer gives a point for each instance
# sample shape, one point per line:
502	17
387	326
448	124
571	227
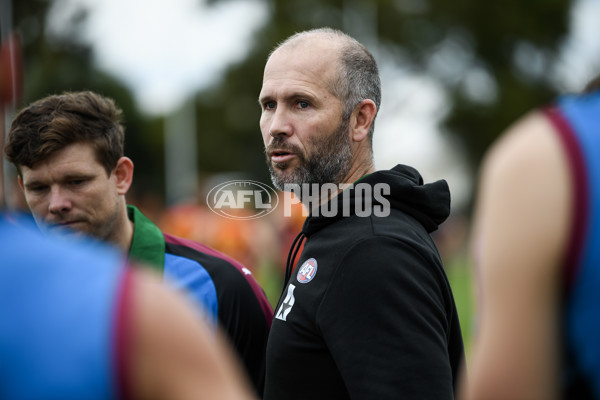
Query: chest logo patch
307	271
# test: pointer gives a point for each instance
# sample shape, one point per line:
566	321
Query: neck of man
358	170
122	235
362	164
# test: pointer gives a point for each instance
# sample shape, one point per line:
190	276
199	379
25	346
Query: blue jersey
61	329
577	119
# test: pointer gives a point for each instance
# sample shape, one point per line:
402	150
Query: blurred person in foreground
536	243
79	323
368	311
68	152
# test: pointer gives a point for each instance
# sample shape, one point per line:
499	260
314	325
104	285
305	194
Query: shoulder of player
212	260
523	201
530	142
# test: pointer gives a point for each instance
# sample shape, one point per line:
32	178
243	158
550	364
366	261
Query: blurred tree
492	59
511	48
57	64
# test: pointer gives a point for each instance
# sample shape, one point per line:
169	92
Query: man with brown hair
68	151
80	322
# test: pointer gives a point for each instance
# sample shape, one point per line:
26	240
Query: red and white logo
307	271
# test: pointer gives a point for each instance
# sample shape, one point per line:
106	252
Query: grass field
461	280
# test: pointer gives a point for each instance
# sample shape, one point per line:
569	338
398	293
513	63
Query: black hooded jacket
368	312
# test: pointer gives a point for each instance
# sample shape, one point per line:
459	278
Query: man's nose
59	201
280	124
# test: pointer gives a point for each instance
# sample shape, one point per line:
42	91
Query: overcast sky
146	44
165	51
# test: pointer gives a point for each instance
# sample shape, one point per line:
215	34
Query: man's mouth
62	225
280	156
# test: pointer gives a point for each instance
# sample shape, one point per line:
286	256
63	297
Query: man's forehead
75	158
294	85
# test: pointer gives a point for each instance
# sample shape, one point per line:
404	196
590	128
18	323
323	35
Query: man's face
305	139
71	191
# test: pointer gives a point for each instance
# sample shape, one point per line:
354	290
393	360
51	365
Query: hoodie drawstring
289	267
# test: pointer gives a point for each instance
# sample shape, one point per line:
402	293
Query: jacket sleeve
385	320
244	321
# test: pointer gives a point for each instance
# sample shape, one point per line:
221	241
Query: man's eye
77	182
269	105
303	104
36	189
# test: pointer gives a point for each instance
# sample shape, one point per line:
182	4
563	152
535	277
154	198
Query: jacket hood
427	203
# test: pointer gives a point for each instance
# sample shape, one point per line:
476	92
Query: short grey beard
330	162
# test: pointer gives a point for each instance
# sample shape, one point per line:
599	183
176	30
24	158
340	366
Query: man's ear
124	174
20	180
361	119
